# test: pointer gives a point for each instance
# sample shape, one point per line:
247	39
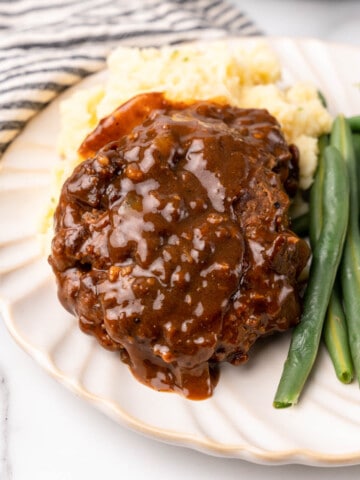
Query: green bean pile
332	299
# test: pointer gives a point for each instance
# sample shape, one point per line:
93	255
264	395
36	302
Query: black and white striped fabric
48	45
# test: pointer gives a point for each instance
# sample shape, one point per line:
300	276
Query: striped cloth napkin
46	46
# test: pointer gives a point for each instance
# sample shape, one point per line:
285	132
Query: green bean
326	258
356	145
354	123
335	329
336	339
322	98
300	224
350	268
316	193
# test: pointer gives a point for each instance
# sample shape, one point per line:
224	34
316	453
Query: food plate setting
238	420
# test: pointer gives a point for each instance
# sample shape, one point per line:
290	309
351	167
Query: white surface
52	434
332	20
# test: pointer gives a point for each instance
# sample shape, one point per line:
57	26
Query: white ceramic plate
239	420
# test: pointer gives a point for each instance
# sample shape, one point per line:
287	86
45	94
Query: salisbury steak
172	241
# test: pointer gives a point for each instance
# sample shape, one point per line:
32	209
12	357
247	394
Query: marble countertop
330	20
47	433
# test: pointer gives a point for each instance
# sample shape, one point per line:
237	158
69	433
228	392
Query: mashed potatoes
243	73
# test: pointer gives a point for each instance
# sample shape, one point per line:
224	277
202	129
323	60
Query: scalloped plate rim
190	441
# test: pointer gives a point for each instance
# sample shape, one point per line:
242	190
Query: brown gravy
172	241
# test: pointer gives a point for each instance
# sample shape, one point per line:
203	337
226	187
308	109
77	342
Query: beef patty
172	242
